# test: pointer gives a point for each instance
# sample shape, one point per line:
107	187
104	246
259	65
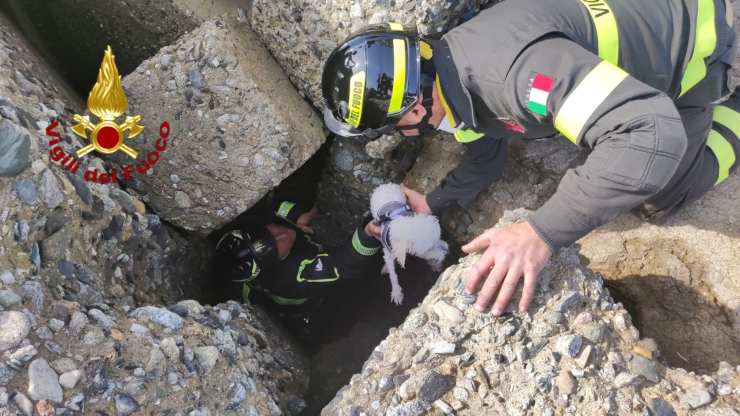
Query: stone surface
238	126
43	382
160	316
14	326
15	146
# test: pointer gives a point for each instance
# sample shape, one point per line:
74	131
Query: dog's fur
418	235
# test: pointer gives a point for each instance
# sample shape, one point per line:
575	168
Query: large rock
301	34
238	126
514	365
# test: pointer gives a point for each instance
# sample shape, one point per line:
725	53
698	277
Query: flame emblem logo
107	101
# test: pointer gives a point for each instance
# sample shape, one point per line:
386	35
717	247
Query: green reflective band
724	153
399	76
607	32
586	98
361	248
284	209
467	135
304	263
704	44
728	118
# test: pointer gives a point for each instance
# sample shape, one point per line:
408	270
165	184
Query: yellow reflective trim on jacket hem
399	76
607	31
305	263
704	44
467	135
724	153
425	50
586	98
395	26
728	118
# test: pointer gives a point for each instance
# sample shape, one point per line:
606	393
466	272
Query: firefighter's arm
635	133
483	163
295	212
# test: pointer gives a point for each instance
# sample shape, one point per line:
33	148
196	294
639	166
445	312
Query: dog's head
384	194
413	235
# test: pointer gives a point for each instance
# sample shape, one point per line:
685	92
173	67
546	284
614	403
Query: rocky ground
92	319
575	352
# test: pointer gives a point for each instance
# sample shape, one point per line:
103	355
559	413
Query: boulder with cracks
238	126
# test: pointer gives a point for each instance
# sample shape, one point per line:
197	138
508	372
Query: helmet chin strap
423	126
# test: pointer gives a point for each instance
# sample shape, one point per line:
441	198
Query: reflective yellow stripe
361	248
425	50
304	263
587	96
285	208
355	100
399	75
728	118
467	135
722	149
396	26
704	44
607	32
443	100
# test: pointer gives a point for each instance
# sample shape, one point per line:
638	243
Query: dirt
662	285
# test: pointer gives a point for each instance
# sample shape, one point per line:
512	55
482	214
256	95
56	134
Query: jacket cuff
365	244
288	211
438	202
543	234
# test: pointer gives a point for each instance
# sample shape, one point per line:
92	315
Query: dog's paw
397	296
436	265
384	270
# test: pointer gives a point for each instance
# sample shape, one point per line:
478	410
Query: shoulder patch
539	92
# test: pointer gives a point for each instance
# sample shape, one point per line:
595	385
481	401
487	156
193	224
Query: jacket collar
455	98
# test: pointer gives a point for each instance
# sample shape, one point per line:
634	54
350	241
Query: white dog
404	232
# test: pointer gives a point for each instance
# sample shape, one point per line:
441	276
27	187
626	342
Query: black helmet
371	80
242	254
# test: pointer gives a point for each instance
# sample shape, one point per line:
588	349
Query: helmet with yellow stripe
371	80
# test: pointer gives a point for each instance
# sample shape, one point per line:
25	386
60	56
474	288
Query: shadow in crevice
692	331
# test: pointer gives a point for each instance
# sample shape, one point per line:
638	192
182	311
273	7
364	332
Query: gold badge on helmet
107	101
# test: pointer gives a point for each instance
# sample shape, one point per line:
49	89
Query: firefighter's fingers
479	243
491	286
480	270
508	288
530	285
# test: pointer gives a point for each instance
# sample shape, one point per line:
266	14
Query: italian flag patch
540	92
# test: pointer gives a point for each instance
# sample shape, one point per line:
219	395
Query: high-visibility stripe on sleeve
719	144
399	76
361	248
607	31
704	44
728	118
395	26
425	50
581	103
722	149
467	135
284	209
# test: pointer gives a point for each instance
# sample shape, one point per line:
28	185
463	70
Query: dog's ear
400	248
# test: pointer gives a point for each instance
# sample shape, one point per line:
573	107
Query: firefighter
274	261
644	85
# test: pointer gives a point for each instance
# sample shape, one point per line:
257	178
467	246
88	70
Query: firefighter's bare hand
372	229
511	252
417	200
